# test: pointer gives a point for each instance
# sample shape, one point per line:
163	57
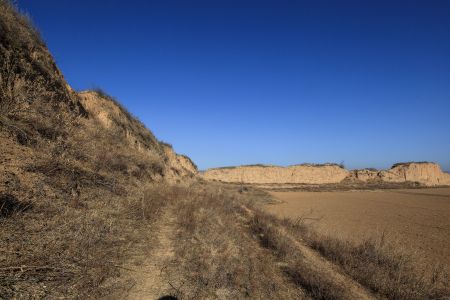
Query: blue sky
276	82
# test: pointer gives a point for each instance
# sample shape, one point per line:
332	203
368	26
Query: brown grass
384	269
316	284
89	209
216	254
76	251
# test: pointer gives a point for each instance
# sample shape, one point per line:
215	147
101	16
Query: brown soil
417	219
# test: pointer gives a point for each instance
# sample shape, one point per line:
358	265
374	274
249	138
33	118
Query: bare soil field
418	220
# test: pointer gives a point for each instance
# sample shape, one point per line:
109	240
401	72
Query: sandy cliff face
425	173
428	174
364	174
273	174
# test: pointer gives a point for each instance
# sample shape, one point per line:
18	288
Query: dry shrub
9	205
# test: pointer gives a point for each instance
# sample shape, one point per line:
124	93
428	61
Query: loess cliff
423	173
260	174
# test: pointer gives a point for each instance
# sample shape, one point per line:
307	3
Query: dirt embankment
424	173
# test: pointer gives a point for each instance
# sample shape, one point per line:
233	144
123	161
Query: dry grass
386	270
87	244
74	197
89	210
216	254
9	205
316	284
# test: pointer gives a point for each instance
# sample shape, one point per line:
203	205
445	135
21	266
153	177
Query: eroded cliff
261	174
424	173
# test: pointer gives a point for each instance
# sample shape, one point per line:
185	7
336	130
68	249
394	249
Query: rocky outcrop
424	173
262	174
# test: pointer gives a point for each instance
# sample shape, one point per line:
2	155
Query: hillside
94	206
422	173
73	167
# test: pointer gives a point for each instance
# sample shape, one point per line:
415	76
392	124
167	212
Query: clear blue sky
278	82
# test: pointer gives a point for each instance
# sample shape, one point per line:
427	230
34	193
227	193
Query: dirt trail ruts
324	267
150	277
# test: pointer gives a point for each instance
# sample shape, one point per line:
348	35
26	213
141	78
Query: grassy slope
69	187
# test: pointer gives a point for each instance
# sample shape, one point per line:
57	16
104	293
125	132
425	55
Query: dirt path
151	282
